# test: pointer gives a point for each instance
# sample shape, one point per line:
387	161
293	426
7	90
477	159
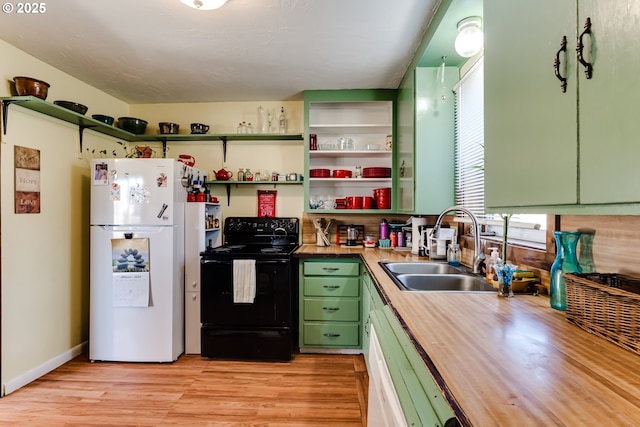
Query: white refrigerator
137	260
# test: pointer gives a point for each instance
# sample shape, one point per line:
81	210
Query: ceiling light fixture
469	40
204	4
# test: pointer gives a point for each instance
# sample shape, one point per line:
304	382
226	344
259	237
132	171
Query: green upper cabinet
530	124
552	151
425	141
364	117
609	125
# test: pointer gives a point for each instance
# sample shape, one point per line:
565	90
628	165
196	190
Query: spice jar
388	145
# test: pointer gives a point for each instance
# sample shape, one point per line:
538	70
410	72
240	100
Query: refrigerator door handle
132	228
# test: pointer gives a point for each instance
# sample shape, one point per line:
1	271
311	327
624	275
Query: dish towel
244	280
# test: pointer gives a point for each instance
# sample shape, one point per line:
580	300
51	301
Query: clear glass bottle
263	121
282	121
240	174
249	128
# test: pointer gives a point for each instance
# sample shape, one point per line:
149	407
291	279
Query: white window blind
469	140
469	159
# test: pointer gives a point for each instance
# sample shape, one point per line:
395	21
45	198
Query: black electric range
264	328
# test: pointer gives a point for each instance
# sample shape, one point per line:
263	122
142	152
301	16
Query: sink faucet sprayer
478	254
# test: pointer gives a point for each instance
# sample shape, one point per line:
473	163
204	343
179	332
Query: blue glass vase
566	262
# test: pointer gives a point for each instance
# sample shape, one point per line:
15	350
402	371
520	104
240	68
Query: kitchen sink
433	276
442	282
419	268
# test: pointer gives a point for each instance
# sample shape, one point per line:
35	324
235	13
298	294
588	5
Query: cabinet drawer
331	334
332	286
331	268
332	309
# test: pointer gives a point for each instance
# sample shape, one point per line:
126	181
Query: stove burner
226	249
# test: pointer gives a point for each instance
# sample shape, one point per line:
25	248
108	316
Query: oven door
272	304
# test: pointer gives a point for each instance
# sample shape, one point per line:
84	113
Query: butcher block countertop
508	361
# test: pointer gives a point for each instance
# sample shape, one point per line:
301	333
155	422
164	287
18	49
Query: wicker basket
607	305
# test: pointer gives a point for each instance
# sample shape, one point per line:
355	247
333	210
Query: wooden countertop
508	361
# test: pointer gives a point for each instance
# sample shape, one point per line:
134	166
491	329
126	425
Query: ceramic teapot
223	175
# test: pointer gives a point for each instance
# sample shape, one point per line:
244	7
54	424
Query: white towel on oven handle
244	280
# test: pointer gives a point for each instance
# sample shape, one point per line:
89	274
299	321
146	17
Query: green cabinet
552	151
371	301
425	151
330	304
363	116
420	398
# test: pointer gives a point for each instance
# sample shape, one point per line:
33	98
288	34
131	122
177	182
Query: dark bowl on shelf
28	86
199	128
132	125
168	128
73	106
102	118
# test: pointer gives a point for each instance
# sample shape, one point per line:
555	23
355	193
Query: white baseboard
48	366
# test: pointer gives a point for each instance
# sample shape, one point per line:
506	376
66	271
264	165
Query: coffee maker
352	235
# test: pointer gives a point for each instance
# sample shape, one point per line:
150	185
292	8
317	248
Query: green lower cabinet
371	301
327	334
420	398
330	304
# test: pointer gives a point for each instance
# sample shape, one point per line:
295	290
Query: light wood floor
312	390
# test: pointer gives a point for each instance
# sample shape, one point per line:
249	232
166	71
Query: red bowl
319	173
342	173
382	192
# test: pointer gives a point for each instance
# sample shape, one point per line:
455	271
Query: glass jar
388	145
453	254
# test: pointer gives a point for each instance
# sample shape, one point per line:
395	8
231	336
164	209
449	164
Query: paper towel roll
416	241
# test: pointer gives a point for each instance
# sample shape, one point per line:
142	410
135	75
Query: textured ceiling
159	51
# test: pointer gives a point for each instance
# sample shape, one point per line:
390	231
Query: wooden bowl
28	86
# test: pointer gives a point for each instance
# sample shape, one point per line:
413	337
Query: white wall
45	256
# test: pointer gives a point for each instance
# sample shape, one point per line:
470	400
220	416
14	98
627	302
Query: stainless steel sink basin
442	282
434	276
419	268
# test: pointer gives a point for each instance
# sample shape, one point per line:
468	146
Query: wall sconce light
469	40
204	4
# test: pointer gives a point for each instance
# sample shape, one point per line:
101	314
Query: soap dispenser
491	262
453	254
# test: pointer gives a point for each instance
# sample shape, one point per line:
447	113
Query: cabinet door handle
330	268
331	308
331	335
588	67
556	64
331	286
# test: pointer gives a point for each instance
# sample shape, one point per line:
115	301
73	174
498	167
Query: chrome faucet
478	254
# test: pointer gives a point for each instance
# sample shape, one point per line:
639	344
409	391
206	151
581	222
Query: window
469	161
